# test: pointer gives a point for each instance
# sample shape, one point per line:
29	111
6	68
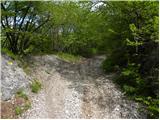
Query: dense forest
125	31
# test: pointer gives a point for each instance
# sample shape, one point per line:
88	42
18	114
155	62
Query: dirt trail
78	90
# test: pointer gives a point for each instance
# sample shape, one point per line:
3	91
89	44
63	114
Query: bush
130	76
129	89
36	86
151	104
108	65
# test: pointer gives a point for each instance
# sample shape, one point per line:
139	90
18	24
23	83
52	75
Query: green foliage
9	53
132	27
29	49
154	112
20	32
27	70
36	86
18	110
77	31
69	57
129	89
131	80
27	105
25	66
133	41
127	31
151	104
21	93
108	65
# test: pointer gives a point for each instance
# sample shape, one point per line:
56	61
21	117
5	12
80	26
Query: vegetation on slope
126	31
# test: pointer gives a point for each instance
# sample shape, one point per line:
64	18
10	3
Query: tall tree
19	20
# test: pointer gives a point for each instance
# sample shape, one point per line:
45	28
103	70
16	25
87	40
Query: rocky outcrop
12	77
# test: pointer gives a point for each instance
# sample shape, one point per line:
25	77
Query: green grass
27	106
68	57
36	86
22	94
27	70
43	53
9	53
18	110
25	67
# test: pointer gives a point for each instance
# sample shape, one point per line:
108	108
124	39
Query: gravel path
78	90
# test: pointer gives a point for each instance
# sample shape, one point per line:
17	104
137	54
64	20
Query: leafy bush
130	76
151	104
108	65
129	89
89	52
36	86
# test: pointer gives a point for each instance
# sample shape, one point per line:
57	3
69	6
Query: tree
134	47
19	21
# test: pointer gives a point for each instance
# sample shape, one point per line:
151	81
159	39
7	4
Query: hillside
74	90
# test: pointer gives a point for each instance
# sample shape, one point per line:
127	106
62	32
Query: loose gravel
78	90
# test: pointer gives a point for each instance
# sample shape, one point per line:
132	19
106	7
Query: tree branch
5	15
41	24
26	12
15	16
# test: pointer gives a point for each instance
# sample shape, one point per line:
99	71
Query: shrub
108	65
151	104
130	76
129	89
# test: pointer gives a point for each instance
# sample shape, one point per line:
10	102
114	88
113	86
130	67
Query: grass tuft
22	94
36	86
9	53
68	57
18	110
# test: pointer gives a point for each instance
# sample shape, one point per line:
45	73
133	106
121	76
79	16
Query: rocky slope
13	77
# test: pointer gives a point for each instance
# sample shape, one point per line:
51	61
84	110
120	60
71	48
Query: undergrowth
21	93
9	53
23	103
134	86
18	110
36	86
68	57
